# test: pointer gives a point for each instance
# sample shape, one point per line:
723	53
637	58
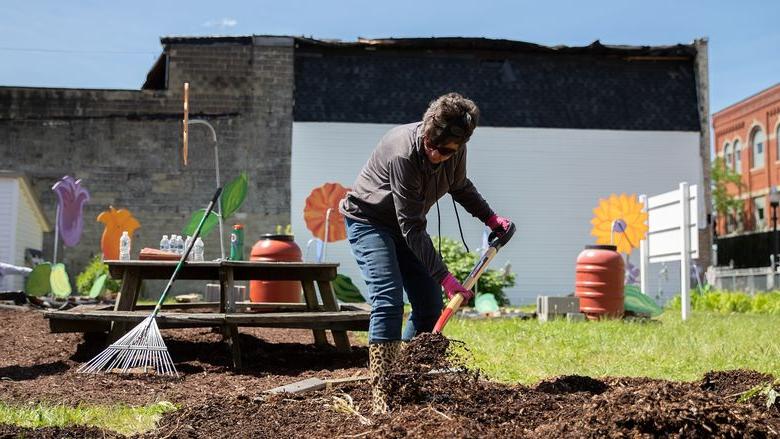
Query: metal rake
143	349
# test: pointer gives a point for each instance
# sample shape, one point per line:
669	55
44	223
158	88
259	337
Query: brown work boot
381	357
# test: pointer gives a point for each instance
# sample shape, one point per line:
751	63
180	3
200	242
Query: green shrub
460	263
95	268
732	302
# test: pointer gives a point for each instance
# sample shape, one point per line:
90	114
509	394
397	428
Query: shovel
496	242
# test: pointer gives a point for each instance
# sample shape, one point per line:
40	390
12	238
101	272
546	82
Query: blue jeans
389	267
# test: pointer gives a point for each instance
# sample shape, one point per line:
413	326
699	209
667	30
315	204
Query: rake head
142	350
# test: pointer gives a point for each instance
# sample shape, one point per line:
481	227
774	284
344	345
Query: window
777	143
727	157
737	157
731	223
759	205
757	142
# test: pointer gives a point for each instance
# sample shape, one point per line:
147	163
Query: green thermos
237	243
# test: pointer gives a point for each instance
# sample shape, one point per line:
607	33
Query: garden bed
217	402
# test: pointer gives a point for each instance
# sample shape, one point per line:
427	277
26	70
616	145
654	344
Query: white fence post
685	251
643	253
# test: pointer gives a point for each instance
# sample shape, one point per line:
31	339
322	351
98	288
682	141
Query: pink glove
453	287
498	224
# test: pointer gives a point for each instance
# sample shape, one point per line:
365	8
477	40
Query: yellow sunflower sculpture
619	220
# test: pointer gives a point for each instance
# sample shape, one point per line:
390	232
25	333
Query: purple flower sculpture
632	274
71	198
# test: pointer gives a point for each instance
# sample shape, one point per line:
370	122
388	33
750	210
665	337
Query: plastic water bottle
165	244
187	244
179	245
197	249
174	244
124	247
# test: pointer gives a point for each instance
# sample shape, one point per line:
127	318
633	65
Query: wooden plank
347	380
164	269
235	346
252	270
93	307
228	305
329	300
239	319
307	385
310	295
242	270
227	296
128	295
280	306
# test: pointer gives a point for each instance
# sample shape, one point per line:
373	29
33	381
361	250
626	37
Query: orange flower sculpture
619	218
116	222
318	202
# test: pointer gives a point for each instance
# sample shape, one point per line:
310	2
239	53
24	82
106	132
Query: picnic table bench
313	314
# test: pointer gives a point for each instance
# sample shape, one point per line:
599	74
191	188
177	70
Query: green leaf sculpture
98	286
346	291
233	195
640	303
60	283
208	226
38	282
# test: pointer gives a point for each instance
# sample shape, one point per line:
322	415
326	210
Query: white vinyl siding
7	190
21	227
548	181
29	233
8	221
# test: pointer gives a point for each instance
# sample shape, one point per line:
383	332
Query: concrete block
550	307
212	293
575	316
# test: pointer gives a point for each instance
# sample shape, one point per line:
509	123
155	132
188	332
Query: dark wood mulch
217	402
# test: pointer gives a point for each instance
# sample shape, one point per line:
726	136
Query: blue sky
110	44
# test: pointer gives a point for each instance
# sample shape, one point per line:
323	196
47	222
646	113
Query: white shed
22	225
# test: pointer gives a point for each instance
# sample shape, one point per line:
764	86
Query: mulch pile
450	401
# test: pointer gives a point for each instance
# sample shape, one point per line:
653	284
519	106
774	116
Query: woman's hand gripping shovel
497	240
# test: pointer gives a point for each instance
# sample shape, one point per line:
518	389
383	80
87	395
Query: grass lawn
527	351
122	419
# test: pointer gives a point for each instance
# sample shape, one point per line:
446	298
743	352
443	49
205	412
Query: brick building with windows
746	137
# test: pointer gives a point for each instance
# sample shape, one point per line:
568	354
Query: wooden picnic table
317	315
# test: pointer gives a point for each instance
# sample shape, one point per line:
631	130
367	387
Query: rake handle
186	253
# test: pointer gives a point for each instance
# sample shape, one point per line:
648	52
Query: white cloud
221	23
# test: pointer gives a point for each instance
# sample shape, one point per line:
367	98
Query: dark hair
450	118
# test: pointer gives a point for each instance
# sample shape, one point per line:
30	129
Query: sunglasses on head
455	129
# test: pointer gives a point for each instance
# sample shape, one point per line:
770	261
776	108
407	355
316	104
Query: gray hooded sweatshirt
398	185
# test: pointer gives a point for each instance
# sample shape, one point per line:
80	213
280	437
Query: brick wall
125	144
737	123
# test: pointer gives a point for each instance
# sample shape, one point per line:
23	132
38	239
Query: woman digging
410	169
